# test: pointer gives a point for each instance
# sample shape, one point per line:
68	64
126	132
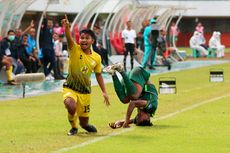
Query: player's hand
106	99
65	22
32	23
126	125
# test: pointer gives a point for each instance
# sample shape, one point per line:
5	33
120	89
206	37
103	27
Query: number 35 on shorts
87	109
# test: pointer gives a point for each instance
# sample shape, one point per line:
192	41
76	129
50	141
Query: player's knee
70	105
125	100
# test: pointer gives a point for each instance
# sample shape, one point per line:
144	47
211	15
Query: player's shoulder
95	54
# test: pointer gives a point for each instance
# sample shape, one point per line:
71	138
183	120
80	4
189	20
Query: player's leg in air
131	85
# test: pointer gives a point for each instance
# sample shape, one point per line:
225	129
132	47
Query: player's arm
69	38
119	123
102	86
29	27
132	105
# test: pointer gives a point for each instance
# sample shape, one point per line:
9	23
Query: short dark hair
88	31
143	123
10	31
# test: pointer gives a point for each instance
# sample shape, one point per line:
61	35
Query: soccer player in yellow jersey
76	90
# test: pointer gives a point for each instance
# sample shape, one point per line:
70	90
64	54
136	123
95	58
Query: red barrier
117	43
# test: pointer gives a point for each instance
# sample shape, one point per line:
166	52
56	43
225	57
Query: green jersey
150	94
139	75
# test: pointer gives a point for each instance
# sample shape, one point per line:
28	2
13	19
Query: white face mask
11	37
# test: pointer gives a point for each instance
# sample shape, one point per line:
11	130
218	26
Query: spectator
47	46
194	43
199	28
140	36
28	60
6	62
166	51
154	35
129	41
59	54
9	47
58	29
174	32
148	45
215	43
104	53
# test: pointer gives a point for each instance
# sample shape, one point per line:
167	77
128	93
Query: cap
152	21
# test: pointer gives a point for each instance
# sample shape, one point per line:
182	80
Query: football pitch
194	120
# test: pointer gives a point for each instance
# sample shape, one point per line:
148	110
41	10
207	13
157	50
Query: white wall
201	8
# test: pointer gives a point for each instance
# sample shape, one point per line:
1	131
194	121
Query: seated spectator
6	62
215	43
28	60
195	43
164	50
9	47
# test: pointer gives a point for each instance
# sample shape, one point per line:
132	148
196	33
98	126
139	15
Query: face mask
11	38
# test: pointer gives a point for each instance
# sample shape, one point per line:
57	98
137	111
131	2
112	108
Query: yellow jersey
81	66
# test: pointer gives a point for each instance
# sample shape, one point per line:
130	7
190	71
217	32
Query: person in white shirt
129	41
215	43
195	43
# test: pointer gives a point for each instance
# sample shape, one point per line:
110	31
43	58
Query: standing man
76	90
148	44
155	34
47	46
129	40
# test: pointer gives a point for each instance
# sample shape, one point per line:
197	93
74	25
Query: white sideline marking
130	129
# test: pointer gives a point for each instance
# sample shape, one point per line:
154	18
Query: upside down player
136	90
77	88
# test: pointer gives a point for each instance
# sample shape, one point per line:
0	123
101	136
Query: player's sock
130	87
72	120
8	73
119	88
90	128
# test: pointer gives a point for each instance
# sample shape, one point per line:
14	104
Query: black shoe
59	78
152	68
72	131
11	82
169	67
90	128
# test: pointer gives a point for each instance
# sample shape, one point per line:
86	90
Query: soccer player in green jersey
137	90
76	90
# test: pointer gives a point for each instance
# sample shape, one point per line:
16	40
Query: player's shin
73	120
130	87
119	88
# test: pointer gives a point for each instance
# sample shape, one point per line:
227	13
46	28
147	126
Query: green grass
39	124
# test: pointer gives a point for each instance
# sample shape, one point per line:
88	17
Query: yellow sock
9	73
73	120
